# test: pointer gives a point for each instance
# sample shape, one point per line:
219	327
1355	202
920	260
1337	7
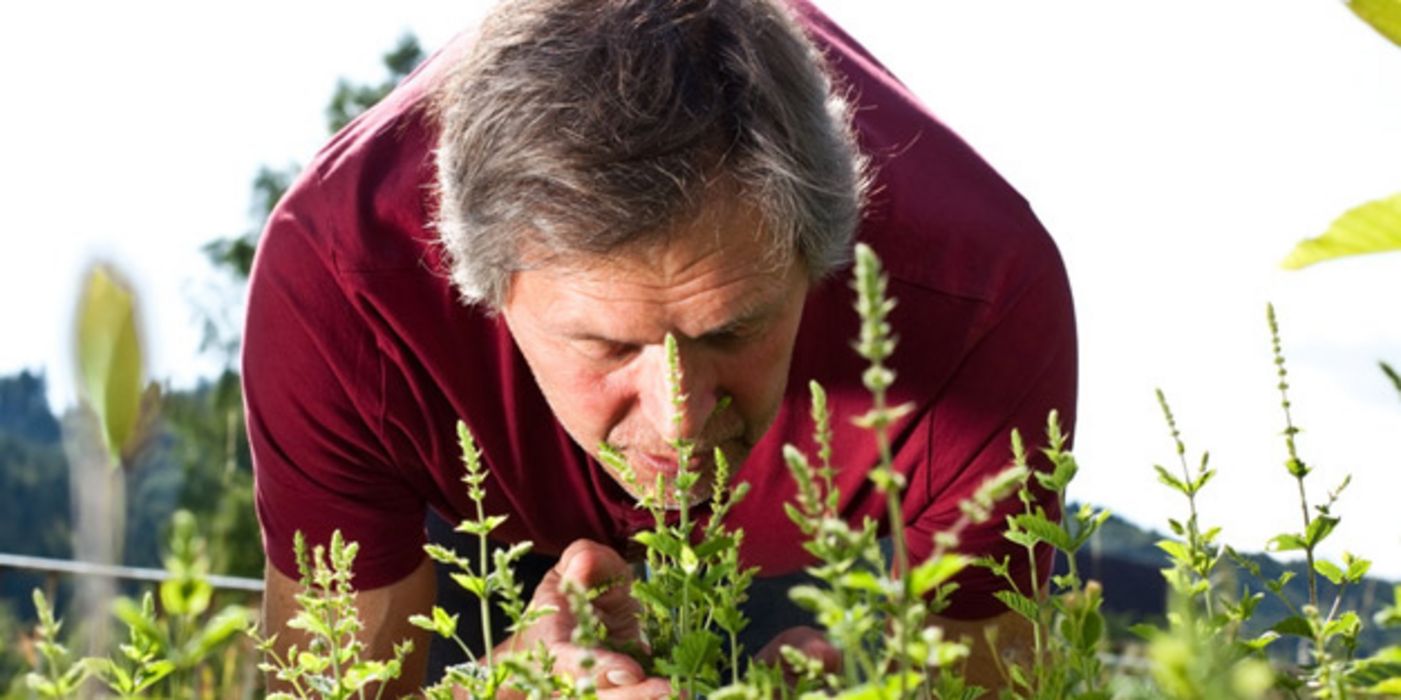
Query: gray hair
584	126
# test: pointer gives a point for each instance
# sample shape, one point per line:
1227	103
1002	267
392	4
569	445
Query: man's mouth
666	465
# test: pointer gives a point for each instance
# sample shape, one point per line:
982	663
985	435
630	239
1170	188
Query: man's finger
591	564
810	642
610	669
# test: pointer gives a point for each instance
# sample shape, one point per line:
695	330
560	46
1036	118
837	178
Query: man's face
592	330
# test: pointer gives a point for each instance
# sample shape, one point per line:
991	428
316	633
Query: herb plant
332	665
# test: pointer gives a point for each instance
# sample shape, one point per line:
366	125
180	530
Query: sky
1175	151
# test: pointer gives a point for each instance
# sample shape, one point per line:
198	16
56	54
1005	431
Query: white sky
1176	151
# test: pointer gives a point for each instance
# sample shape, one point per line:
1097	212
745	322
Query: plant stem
1296	467
485	600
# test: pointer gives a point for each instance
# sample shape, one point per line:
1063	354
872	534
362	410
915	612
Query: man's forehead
633	304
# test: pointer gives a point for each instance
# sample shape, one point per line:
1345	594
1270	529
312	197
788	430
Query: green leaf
659	541
1284	543
1167	478
475	584
890	688
1375	226
697	650
795	515
1262	641
1319	529
1392	375
1145	631
1294	625
482	527
1347	624
1383	15
222	628
155	671
861	581
1328	570
1391	686
1177	550
714	545
109	357
932	572
652	594
1373	671
1202	480
1357	568
1045	530
1019	603
1092	632
1021	537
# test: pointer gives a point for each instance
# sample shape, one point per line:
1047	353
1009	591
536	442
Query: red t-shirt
359	358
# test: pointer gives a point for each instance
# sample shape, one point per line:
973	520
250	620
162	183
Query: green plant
875	608
1203	652
1068	629
875	612
165	653
332	664
693	586
493	577
56	673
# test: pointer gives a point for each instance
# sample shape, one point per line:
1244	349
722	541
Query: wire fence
128	573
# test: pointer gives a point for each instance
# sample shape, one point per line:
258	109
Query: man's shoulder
366	200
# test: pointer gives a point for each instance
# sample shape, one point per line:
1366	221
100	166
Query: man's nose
671	418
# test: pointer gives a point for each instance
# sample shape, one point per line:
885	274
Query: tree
211	441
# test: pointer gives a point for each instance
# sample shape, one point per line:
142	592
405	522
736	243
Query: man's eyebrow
751	314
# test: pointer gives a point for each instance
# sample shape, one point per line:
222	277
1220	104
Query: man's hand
591	565
1014	635
809	642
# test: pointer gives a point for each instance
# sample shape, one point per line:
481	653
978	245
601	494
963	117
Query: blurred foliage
34	481
235	254
196	457
211	452
350	100
1373	227
24	408
208	422
1383	15
110	362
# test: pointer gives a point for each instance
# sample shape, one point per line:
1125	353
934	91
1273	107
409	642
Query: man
509	236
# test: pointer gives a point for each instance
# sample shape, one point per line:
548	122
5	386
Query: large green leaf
1373	227
109	357
1383	15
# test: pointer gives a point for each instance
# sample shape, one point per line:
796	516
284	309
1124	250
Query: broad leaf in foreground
1374	227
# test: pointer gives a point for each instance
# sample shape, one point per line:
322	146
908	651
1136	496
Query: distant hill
1127	561
34	512
35	517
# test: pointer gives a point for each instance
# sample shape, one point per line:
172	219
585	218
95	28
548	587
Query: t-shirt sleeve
1015	373
313	387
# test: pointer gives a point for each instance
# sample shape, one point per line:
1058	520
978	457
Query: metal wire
82	568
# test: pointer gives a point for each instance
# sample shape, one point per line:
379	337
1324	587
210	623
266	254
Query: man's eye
732	337
607	350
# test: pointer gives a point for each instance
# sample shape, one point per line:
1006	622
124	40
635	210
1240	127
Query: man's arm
384	613
1014	642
